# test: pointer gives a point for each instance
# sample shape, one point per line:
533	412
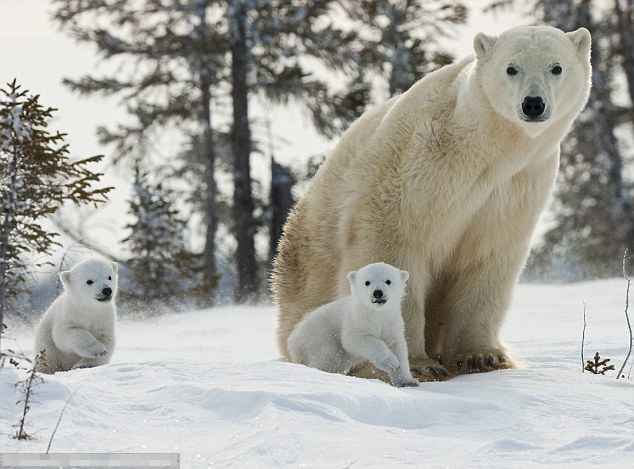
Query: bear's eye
90	282
367	283
388	282
109	277
556	70
511	70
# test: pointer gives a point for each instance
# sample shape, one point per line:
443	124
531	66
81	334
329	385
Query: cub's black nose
106	291
377	294
533	106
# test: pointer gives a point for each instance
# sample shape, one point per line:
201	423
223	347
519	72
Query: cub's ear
351	277
482	45
65	278
114	266
582	40
404	275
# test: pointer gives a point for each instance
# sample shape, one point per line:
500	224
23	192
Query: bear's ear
482	45
351	276
582	40
404	275
114	266
65	278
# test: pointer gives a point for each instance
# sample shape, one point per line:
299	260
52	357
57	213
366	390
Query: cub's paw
95	350
481	361
426	369
368	371
404	382
388	363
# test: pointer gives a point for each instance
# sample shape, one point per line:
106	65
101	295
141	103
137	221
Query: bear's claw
481	362
426	369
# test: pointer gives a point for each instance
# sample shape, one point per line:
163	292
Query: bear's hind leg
422	367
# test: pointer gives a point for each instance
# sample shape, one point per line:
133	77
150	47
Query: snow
209	385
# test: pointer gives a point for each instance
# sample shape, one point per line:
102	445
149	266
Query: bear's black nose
377	294
533	106
106	291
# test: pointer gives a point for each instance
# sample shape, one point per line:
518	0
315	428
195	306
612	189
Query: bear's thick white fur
446	181
365	325
78	329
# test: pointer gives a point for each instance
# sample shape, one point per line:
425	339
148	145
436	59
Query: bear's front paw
388	363
426	369
95	350
482	361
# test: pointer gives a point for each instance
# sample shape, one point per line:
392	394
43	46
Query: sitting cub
365	325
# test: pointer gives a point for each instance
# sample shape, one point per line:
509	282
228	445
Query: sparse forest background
189	72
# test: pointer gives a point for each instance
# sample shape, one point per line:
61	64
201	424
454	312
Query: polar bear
78	329
446	181
364	325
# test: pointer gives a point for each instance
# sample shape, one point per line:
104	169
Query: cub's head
91	280
534	75
378	285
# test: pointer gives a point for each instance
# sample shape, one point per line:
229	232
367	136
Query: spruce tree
162	270
37	177
171	58
401	39
180	60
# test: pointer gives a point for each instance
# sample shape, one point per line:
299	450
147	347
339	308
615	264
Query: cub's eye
388	282
109	277
556	70
90	282
367	283
511	70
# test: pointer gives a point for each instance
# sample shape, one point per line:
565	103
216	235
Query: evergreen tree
401	38
179	51
162	269
37	177
172	67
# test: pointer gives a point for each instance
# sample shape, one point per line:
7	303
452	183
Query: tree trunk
209	155
211	217
243	206
626	35
4	248
603	122
281	202
8	212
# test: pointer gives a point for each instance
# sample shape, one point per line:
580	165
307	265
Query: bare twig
26	386
583	339
77	237
627	315
77	244
50	441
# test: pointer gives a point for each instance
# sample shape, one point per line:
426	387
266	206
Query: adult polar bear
447	182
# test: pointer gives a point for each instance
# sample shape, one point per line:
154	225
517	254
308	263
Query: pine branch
598	366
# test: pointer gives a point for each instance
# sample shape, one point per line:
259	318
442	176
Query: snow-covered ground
209	385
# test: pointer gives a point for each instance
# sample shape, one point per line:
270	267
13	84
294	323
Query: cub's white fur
78	329
365	325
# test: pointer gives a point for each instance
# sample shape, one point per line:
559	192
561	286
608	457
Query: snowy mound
209	385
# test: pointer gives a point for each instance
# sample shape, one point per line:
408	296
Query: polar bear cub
78	329
365	325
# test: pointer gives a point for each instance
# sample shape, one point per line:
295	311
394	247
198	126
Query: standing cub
365	325
77	330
